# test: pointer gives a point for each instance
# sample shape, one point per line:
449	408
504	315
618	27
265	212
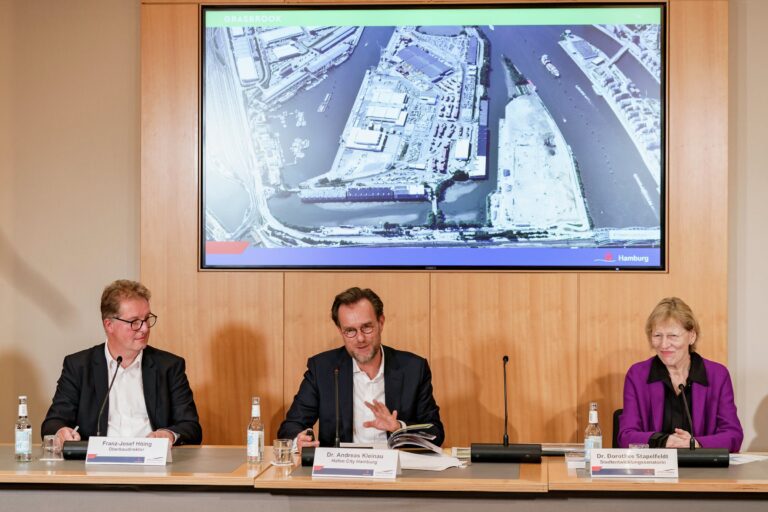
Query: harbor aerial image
430	135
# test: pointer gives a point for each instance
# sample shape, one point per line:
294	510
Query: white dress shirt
127	408
364	390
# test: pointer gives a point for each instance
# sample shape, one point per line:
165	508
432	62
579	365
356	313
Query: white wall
69	183
748	205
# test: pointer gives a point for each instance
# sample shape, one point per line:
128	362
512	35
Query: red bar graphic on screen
225	247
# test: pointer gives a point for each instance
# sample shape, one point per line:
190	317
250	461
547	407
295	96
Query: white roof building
369	140
462	149
278	34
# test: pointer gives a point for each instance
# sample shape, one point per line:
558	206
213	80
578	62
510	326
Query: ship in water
324	104
550	67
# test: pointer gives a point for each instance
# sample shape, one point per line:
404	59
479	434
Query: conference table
198	479
211	477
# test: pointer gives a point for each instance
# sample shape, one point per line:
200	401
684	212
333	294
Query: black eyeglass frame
151	320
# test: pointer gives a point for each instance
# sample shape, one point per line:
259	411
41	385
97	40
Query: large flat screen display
440	137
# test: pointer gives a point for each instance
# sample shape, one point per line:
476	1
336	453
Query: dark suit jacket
83	386
407	389
715	423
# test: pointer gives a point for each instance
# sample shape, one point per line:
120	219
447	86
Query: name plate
640	463
355	463
137	451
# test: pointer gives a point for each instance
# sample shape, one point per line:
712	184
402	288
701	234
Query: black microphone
505	359
106	398
701	457
76	450
505	452
337	441
681	387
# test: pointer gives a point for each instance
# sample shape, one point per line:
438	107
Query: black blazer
83	386
407	389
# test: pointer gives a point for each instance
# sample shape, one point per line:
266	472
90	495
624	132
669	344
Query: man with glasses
380	389
150	396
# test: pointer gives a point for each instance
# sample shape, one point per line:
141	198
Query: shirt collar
111	362
697	373
356	367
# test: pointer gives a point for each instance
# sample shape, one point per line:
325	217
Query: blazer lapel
149	379
393	381
345	397
656	396
699	399
100	384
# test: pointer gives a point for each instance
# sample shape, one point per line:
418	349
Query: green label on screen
436	16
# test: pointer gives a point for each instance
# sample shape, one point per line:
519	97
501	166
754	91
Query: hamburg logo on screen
607	258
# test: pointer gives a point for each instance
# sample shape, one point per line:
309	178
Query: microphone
681	387
505	360
505	452
702	457
337	441
106	398
77	450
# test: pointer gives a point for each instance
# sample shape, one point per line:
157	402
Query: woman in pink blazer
656	390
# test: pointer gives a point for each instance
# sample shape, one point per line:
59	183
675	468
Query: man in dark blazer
151	396
365	369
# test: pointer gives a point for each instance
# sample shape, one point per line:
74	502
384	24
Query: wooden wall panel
228	326
614	307
241	353
570	336
476	319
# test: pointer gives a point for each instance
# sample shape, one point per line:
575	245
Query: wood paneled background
570	336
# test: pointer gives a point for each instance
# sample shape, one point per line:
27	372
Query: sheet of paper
745	458
427	462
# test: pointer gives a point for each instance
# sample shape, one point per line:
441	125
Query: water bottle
255	433
593	436
23	433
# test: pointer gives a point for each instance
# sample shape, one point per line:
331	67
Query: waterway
324	130
605	154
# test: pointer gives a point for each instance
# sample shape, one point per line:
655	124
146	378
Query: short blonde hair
676	309
118	291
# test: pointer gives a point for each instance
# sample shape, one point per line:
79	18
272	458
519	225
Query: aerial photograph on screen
374	144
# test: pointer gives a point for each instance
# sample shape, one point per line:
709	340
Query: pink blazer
715	423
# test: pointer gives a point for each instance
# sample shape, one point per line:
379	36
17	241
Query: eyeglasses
151	320
672	337
351	332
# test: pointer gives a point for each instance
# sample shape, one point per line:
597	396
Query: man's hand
66	434
305	440
163	433
384	420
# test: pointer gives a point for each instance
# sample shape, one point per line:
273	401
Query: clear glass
51	448
255	434
282	450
